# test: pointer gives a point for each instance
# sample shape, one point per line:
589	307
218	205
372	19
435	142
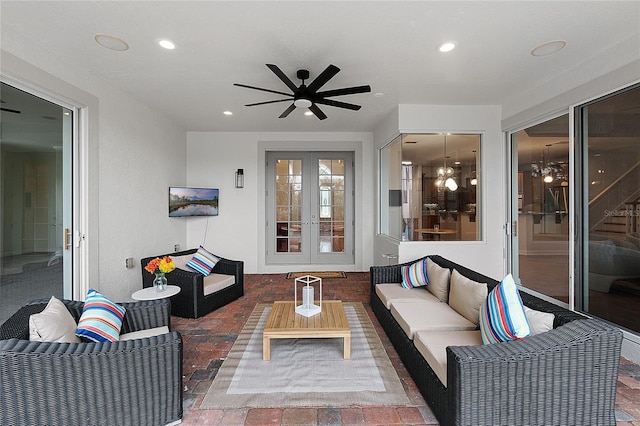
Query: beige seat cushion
396	293
420	316
216	282
466	296
439	278
212	282
433	347
141	334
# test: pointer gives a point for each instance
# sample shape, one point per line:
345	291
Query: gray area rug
306	372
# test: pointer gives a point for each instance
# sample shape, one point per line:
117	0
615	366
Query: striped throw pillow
502	316
203	261
415	275
101	319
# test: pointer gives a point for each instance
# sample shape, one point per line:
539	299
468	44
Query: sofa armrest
231	267
131	382
564	376
146	314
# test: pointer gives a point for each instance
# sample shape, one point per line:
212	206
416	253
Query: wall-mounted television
187	201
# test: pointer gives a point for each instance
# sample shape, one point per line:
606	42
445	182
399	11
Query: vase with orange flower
160	266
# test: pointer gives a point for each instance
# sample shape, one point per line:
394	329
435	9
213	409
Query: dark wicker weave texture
135	382
191	301
566	376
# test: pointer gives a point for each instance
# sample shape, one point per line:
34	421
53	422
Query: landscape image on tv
184	201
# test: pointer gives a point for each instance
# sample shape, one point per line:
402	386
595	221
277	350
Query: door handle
67	238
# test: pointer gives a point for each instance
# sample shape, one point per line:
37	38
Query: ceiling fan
304	96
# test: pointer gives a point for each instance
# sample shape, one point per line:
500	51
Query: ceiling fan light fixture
302	103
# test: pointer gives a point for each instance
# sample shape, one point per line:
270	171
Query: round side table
150	293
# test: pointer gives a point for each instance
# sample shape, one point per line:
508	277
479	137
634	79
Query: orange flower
153	265
158	265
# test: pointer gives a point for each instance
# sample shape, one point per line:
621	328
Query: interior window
430	185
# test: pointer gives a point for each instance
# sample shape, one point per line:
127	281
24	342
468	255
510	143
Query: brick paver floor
207	341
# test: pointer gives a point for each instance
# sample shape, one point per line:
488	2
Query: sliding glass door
540	182
608	138
36	145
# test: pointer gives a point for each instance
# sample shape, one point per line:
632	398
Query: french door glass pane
331	205
288	206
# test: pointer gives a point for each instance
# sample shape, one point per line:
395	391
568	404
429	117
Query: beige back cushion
53	324
466	296
438	280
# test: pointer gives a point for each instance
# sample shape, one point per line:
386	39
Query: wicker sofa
134	382
194	301
563	376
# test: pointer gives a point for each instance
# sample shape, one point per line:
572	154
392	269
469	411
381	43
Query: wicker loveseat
192	302
565	376
134	382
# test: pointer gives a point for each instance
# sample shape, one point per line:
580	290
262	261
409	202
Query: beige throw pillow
466	296
438	280
53	324
539	321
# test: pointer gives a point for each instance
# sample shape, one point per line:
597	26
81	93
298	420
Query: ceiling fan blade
324	76
15	111
287	111
338	104
346	91
264	90
269	102
317	112
277	71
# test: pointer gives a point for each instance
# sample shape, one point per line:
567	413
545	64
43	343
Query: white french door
309	208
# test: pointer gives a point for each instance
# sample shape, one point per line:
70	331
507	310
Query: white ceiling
390	45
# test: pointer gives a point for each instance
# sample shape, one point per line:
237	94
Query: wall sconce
240	178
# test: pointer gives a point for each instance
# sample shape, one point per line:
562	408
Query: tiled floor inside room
208	340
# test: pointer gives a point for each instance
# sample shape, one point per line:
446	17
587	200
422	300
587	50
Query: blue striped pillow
203	261
415	275
502	316
101	319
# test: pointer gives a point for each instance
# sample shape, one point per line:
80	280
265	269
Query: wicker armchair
134	382
191	302
565	376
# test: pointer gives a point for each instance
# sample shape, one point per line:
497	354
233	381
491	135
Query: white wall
129	158
238	232
486	256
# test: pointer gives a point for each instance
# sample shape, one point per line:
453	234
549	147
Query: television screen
184	201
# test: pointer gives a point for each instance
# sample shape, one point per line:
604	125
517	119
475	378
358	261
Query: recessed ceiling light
549	48
228	113
167	44
446	47
111	42
456	163
308	113
378	95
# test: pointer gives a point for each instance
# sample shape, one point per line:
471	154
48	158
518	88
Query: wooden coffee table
285	323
